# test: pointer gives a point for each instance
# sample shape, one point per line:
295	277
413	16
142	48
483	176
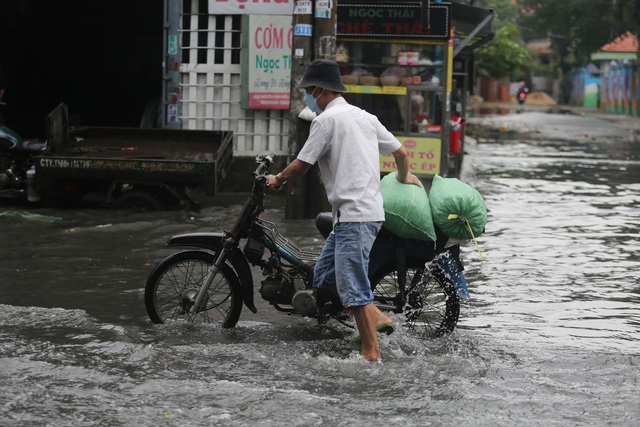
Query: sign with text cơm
266	54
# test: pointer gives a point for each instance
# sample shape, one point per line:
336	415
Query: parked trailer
149	169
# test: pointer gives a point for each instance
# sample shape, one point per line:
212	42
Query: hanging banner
251	7
266	62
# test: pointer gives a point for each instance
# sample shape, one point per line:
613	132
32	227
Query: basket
370	80
349	80
390	81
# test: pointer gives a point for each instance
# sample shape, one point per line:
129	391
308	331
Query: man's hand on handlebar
294	170
274	182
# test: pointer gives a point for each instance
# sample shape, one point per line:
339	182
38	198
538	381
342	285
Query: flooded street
549	336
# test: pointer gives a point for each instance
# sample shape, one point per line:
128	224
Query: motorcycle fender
242	268
213	242
453	271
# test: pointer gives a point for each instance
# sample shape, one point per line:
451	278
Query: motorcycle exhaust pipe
33	195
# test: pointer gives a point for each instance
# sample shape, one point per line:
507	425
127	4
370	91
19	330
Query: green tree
507	11
505	56
626	14
577	28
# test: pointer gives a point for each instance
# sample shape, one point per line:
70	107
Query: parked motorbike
210	282
16	163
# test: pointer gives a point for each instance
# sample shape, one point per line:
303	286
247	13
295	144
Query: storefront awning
473	26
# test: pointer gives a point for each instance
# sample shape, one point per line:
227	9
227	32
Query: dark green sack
406	209
456	207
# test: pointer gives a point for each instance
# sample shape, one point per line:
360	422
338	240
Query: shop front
399	62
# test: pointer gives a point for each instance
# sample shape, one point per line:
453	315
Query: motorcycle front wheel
430	306
173	284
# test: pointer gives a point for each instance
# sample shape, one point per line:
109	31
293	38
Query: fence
620	88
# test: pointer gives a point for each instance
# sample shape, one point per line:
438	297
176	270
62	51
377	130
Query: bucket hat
323	73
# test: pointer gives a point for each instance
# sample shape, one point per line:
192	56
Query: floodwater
549	337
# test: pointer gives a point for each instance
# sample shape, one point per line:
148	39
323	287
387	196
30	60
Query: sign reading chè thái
393	20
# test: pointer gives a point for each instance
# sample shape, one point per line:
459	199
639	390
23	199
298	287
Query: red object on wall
454	135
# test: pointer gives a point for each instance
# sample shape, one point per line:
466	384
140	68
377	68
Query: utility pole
324	25
298	129
314	23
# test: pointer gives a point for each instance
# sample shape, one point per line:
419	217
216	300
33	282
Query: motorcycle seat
324	223
33	145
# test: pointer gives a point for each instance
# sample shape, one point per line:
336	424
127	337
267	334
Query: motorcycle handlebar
264	163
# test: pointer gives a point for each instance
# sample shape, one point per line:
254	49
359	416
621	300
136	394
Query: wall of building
211	81
585	89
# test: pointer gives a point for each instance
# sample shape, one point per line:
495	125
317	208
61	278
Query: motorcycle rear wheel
173	283
431	306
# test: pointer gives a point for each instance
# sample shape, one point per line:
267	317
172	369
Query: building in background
620	81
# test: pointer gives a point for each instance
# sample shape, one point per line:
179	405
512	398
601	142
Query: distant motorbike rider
522	93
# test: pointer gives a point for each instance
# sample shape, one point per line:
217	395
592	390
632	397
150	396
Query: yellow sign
424	156
377	90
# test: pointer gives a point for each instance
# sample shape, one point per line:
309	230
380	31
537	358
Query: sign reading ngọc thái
267	61
393	20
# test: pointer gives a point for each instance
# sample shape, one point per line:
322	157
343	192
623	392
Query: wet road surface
549	338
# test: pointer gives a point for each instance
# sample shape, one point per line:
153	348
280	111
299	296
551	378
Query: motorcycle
212	280
522	95
17	163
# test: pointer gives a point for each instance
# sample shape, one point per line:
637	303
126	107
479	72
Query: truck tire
139	200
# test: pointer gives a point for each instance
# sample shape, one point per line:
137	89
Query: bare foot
380	318
371	356
365	317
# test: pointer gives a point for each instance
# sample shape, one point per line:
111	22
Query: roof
625	43
623	47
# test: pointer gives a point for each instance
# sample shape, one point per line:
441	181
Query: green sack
406	209
456	207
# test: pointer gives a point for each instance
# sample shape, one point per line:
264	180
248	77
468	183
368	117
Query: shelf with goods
410	76
389	90
411	64
388	65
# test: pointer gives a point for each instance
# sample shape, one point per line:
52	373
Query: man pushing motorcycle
346	142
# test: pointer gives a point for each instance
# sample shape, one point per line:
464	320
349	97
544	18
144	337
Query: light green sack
457	208
406	209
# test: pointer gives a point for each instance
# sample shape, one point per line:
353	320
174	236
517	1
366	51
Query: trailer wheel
139	200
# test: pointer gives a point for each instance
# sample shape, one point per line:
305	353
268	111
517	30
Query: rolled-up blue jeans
344	262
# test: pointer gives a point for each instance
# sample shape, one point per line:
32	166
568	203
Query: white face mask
312	102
